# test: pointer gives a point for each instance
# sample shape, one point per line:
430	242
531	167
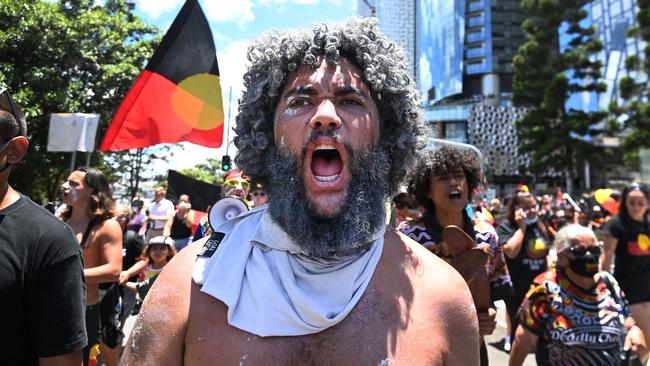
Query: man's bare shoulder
421	263
109	227
439	298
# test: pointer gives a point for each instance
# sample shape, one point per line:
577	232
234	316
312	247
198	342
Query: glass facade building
440	26
611	18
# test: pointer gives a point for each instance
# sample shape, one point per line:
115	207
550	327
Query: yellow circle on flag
197	101
644	242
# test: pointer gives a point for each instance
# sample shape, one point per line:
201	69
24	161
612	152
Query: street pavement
494	341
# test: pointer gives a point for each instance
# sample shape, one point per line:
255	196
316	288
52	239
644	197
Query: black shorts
636	290
92	329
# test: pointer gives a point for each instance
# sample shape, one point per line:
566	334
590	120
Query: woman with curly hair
442	183
89	211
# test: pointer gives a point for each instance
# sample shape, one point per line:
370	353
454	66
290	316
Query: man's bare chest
369	335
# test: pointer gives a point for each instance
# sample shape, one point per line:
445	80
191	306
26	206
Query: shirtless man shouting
89	200
331	121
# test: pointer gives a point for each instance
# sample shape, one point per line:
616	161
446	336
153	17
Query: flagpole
228	121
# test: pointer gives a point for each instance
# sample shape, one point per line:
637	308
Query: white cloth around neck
272	289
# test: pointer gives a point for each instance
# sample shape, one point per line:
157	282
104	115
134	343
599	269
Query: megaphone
225	209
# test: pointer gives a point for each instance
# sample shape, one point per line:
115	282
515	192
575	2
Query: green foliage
209	172
545	77
68	56
633	118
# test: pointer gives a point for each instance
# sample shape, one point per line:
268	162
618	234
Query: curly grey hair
276	54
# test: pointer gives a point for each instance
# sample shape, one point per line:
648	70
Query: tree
69	56
209	172
130	167
545	77
634	115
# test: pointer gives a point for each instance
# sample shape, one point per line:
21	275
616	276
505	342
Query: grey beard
363	212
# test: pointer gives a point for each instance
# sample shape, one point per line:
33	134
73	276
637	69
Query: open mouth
326	163
455	195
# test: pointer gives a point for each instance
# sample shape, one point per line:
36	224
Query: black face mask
585	260
585	266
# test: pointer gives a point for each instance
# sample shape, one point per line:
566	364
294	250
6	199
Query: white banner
72	132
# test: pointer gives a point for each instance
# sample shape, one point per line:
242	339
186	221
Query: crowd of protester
549	256
549	259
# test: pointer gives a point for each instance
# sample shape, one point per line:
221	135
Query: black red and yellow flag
177	97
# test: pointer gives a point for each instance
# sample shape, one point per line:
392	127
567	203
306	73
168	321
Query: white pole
72	162
228	121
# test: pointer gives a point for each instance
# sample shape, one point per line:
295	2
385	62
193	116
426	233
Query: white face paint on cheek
73	194
290	112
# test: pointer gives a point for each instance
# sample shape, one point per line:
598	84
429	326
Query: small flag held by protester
177	97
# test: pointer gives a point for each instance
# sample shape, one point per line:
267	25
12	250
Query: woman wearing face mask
525	241
573	314
627	241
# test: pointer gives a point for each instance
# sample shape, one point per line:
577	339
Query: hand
520	217
487	321
124	277
486	248
635	341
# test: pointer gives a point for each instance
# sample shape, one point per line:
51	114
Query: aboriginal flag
178	96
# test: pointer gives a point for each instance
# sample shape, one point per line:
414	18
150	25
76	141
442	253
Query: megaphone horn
225	209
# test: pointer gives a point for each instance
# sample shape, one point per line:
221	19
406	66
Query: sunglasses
237	182
259	193
581	250
400	205
7	104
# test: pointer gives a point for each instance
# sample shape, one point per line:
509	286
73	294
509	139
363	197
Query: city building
462	65
611	19
396	20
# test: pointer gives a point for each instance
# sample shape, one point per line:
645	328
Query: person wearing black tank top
179	225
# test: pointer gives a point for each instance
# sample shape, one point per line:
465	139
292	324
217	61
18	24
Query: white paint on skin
73	194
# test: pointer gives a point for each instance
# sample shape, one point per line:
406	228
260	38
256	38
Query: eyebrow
310	90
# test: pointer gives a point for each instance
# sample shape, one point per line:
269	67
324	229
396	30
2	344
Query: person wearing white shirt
159	211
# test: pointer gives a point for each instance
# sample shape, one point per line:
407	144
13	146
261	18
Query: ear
17	149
